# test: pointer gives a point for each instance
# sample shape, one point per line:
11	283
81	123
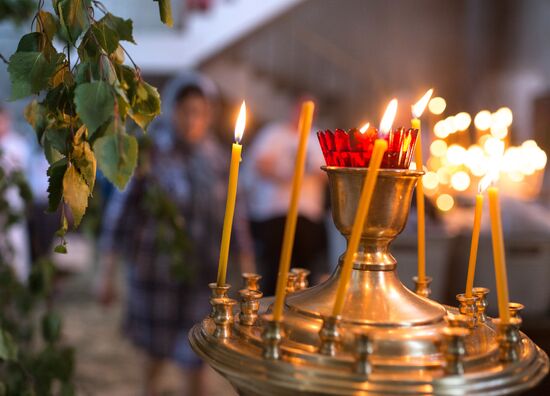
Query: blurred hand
267	166
105	286
106	291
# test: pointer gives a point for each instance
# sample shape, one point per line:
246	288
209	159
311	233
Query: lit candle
306	117
231	195
483	184
380	147
417	110
498	254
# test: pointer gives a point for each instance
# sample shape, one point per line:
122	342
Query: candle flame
240	124
419	107
389	116
364	128
485	183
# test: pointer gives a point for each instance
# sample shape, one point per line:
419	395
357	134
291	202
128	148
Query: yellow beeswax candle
306	117
417	110
474	244
380	147
498	254
231	196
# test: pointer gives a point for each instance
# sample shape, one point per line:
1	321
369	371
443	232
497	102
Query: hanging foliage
86	95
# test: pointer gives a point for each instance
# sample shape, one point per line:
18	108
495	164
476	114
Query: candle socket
458	321
250	304
454	349
302	281
329	335
515	309
223	317
272	336
509	339
251	281
291	282
468	307
481	305
422	288
217	292
364	347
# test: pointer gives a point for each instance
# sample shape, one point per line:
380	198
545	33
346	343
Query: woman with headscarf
187	166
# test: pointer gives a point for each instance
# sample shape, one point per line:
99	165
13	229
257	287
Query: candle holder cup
515	309
482	304
272	335
251	281
509	339
223	317
217	292
291	282
454	349
468	307
422	288
301	278
250	304
329	335
364	349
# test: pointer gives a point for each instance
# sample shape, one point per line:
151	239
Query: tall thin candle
417	110
236	150
380	147
306	117
475	236
498	254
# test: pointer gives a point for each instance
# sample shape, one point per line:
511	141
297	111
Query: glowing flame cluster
453	168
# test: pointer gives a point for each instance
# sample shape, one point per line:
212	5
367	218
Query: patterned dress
160	308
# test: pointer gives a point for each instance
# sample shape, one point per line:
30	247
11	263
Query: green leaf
51	154
94	103
30	72
56	171
51	327
84	158
35	114
61	249
47	24
58	139
106	37
146	105
165	10
117	157
8	347
122	27
73	15
75	193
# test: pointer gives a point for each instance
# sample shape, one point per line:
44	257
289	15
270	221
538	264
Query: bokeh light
440	129
456	155
445	202
430	180
504	116
438	148
462	121
482	120
437	105
460	181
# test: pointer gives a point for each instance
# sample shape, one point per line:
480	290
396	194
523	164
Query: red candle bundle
354	148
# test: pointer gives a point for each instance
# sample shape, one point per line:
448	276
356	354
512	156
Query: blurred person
191	169
14	157
267	178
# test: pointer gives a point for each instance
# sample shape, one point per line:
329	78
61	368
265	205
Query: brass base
407	347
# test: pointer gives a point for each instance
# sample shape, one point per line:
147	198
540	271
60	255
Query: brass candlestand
388	340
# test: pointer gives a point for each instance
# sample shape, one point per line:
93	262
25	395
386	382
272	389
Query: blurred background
488	62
